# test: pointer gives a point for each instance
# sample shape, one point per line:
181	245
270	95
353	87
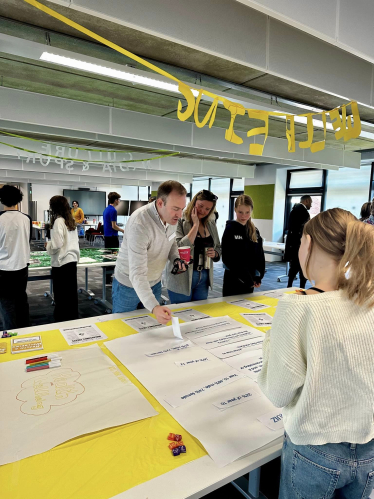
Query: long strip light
152	82
112	73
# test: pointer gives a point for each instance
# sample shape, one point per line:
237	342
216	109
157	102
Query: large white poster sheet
215	403
42	409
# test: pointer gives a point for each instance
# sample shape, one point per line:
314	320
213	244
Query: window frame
371	186
233	196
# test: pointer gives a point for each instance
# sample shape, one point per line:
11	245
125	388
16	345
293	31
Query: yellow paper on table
101	464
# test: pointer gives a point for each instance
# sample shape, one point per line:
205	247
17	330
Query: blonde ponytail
351	244
245	200
358	264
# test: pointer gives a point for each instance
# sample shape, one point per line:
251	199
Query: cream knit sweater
319	366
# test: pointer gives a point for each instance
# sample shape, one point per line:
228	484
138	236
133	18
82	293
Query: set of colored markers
45	362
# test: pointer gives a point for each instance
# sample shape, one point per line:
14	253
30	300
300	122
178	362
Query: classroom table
101	261
194	479
280	248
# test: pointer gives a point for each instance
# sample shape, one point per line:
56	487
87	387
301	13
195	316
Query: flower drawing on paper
55	388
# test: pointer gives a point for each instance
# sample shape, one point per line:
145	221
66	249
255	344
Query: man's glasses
208	196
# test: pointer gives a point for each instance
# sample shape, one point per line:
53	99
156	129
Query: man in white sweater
148	243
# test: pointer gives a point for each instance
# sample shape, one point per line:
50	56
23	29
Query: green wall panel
154	193
263	200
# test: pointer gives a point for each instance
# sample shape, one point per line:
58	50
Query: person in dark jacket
299	216
242	253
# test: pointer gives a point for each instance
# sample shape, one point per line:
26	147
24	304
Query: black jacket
241	255
299	216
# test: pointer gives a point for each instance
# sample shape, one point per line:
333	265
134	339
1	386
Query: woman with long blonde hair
242	253
318	363
198	231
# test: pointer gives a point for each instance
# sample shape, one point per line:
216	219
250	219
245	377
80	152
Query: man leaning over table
148	243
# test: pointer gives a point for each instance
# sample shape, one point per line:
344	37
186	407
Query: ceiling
19	19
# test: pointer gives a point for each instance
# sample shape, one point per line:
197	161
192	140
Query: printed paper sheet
251	305
226	434
249	363
142	323
42	409
259	320
190	314
79	335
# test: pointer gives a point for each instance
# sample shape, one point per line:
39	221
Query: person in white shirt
148	243
64	250
15	235
319	363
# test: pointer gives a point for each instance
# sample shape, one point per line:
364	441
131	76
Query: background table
191	480
280	248
104	258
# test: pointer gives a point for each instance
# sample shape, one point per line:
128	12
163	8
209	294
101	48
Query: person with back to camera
198	231
299	216
370	219
148	243
78	215
318	363
64	250
15	237
365	211
242	253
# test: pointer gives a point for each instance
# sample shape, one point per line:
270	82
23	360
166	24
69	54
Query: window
316	204
199	185
238	184
348	188
237	188
308	182
130	192
221	188
143	193
309	178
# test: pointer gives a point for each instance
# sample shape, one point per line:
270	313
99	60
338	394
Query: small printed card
28	344
259	320
273	420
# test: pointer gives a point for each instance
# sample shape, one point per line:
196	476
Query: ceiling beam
232	31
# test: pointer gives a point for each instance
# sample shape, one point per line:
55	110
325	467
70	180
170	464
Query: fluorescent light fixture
163	85
112	73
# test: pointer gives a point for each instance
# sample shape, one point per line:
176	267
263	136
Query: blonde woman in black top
242	253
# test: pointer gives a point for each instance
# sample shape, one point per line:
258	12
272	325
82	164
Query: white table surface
274	245
81	265
201	476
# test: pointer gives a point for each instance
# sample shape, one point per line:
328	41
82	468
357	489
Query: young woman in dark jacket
242	253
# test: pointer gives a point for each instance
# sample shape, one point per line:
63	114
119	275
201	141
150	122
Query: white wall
279	204
42	193
25	200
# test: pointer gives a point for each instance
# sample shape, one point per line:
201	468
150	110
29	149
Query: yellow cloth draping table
105	463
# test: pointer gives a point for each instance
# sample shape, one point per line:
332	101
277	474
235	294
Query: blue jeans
199	288
125	299
344	471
